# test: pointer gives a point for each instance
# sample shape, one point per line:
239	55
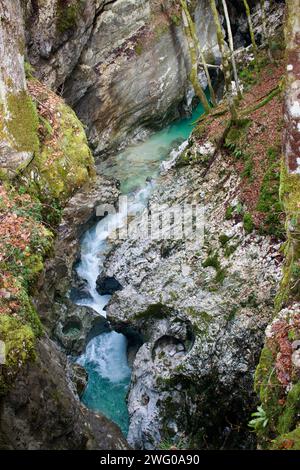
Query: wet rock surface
76	326
107	285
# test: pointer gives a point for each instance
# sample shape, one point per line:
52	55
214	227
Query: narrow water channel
105	358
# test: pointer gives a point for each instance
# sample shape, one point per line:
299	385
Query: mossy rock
269	203
269	390
19	342
23	122
288	441
62	163
290	415
282	411
65	162
289	193
19	127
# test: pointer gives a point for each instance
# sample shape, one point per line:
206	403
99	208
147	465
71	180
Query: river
105	358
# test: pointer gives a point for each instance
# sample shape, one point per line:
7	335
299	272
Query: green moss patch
158	311
19	341
289	441
19	123
22	124
61	174
213	261
248	222
290	197
270	204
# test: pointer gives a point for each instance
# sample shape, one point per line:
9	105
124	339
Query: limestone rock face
76	326
56	32
133	72
201	303
29	417
123	65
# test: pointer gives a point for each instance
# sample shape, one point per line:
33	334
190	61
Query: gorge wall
45	159
123	67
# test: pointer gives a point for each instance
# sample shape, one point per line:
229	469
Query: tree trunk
18	117
231	46
264	27
194	63
202	57
290	169
225	60
250	25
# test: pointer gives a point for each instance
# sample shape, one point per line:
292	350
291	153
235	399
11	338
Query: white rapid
96	245
108	354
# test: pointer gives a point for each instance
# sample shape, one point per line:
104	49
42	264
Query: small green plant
68	12
248	222
29	70
260	420
229	250
175	20
223	239
237	153
273	153
239	208
292	336
138	48
213	261
229	212
248	169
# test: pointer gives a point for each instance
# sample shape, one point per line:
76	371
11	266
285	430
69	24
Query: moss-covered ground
252	146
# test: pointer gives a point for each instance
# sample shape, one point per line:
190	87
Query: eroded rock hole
168	347
72	327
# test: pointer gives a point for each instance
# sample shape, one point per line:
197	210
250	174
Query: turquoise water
105	358
139	162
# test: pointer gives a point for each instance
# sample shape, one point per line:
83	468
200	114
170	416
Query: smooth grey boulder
76	326
107	285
